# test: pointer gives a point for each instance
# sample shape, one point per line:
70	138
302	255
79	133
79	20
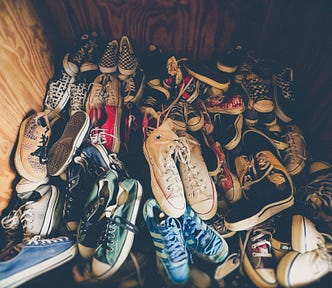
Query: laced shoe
152	102
228	183
250	117
92	55
63	150
295	155
208	125
199	187
227	129
203	241
117	239
284	94
159	148
230	265
132	88
36	257
233	105
176	113
167	235
24	188
230	59
127	61
96	93
31	152
189	88
57	95
93	219
270	122
258	93
217	222
78	96
193	117
109	61
297	269
267	187
257	258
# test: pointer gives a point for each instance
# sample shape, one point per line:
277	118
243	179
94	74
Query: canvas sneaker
92	54
132	88
217	222
176	113
159	148
231	263
203	241
31	154
96	93
109	61
78	96
168	239
24	188
117	239
233	105
193	117
63	150
258	93
208	124
257	257
230	59
127	61
36	257
152	102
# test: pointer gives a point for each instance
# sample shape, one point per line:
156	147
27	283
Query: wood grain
25	67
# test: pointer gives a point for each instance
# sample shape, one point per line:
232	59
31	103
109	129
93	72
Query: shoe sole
61	154
238	128
299	234
110	270
265	213
226	111
41	268
284	269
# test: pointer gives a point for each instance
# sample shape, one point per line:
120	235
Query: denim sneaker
168	239
202	240
36	257
93	219
117	239
63	150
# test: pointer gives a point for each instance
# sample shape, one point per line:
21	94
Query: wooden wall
25	67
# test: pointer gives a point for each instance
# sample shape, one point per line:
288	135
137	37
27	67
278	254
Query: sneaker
96	92
230	59
295	155
127	61
227	129
258	93
152	102
93	220
193	117
198	278
230	265
82	172
257	258
176	113
208	125
78	96
208	75
109	61
132	88
167	235
31	152
189	88
199	188
24	188
116	241
217	222
284	95
233	105
92	53
63	150
267	188
36	257
159	148
57	95
204	242
250	117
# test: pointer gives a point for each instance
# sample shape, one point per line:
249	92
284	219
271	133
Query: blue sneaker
36	257
201	239
171	253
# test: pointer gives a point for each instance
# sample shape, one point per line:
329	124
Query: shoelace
293	151
99	136
97	96
79	94
218	223
38	240
111	97
129	86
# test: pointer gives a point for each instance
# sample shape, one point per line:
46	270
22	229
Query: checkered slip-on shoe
127	62
109	61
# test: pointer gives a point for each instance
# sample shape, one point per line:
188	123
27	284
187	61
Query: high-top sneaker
159	148
194	117
117	238
132	88
109	61
208	125
93	219
295	155
230	59
31	154
127	61
63	150
176	113
167	235
57	95
284	94
73	61
78	96
257	257
90	62
233	105
199	187
106	118
258	93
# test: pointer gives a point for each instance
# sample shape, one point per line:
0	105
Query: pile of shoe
201	161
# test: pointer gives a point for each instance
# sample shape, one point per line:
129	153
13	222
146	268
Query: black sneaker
176	113
132	88
152	101
109	61
194	117
90	63
230	59
127	61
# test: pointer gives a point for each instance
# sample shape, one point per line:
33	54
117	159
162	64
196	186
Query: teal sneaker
201	239
93	219
117	237
171	253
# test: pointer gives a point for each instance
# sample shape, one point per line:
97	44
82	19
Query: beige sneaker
199	187
166	183
31	152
